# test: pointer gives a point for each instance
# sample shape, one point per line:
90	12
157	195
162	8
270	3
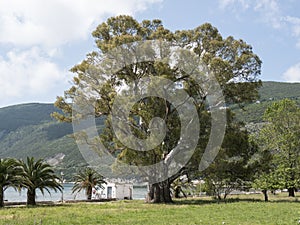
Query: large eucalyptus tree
148	68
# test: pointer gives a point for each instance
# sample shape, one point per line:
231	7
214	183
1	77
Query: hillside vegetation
29	130
270	92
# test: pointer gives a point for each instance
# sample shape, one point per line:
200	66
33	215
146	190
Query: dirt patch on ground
6	217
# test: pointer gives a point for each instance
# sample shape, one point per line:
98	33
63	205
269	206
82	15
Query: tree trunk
31	197
265	192
1	197
89	193
225	195
177	192
150	194
159	193
291	192
167	193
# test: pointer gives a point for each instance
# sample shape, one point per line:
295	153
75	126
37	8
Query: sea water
11	195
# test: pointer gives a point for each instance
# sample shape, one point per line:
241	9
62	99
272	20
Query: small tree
10	176
231	168
280	139
267	181
38	175
87	179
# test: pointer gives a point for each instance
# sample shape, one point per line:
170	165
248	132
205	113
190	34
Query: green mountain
269	92
29	130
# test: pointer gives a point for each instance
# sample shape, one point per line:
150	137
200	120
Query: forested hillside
29	130
270	92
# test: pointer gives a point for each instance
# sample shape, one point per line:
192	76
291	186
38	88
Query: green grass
245	210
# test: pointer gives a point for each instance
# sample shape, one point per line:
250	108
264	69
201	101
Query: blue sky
41	40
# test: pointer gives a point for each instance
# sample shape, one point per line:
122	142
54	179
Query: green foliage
14	117
8	172
276	91
28	130
38	175
279	142
269	93
87	179
251	113
232	168
268	181
233	63
39	136
10	176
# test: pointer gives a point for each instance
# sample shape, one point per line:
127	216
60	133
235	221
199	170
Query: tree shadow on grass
212	201
199	201
38	205
49	205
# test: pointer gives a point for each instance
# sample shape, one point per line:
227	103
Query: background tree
10	176
268	180
262	163
232	168
87	179
279	141
233	62
38	175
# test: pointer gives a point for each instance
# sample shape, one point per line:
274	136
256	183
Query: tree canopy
10	176
38	175
87	179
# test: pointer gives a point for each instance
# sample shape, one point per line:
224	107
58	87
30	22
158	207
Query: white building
116	190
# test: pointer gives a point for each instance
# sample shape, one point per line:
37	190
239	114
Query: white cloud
56	22
292	74
295	23
27	74
270	12
35	33
229	3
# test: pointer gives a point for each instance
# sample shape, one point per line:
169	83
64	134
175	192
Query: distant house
114	190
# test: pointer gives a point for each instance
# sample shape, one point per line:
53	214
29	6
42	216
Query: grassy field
248	210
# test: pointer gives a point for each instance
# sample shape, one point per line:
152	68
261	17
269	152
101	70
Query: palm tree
10	176
38	175
87	179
